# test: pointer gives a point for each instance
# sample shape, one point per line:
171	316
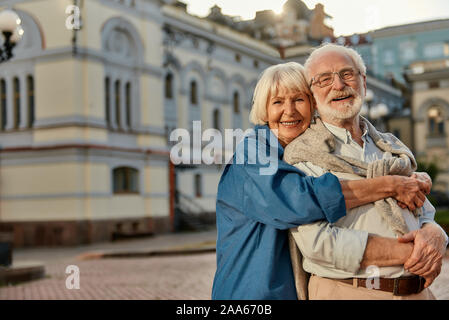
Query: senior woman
255	210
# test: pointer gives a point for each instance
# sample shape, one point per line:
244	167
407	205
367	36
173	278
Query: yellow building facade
86	115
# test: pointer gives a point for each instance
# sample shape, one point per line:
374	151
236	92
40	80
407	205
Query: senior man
378	251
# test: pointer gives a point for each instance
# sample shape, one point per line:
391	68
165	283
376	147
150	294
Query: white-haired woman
255	210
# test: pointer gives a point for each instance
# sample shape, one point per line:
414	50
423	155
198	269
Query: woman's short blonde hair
290	76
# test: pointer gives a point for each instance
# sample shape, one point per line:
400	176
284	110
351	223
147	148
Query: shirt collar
343	134
364	128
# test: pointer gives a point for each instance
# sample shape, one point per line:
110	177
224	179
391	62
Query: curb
147	254
21	272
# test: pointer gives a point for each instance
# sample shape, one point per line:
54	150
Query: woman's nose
290	108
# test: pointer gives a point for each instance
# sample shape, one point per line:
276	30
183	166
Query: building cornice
94	55
428	75
411	28
219	34
383	86
86	146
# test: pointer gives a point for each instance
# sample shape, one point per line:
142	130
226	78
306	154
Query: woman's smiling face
289	114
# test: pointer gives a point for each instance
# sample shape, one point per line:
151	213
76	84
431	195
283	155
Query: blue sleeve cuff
330	196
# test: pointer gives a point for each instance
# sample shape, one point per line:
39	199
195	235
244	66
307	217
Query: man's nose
338	84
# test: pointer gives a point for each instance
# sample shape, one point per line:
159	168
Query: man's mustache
337	94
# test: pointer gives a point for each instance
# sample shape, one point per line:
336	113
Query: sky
349	16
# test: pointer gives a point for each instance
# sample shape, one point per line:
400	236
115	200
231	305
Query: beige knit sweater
317	145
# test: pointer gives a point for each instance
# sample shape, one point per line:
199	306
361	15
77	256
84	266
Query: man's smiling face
343	98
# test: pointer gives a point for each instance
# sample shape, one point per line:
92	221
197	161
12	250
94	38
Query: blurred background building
90	98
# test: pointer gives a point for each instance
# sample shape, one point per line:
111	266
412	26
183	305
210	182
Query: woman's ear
265	117
313	111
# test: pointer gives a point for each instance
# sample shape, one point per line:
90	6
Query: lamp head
9	21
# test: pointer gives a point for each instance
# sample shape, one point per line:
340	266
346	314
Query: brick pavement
174	277
158	278
183	277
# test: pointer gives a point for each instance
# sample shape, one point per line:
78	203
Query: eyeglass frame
333	77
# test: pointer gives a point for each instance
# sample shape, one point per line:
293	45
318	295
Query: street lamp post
11	32
382	112
369	96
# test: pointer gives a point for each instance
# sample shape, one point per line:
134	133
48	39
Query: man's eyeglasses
327	78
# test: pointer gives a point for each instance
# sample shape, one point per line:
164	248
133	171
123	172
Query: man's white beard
347	111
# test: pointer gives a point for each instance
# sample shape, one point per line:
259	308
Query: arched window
30	95
193	93
125	180
117	102
128	104
3	104
236	102
435	121
107	100
122	44
16	98
236	110
169	86
216	119
198	186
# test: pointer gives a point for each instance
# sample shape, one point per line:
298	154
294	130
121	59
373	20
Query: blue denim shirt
255	211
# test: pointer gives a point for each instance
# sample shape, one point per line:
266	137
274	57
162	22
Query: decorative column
23	102
9	104
112	105
122	123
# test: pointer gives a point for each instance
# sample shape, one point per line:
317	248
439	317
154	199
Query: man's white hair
330	47
288	76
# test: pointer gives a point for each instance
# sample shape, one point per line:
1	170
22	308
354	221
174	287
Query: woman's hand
428	252
410	192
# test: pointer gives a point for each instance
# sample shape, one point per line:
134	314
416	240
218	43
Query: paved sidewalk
164	275
183	241
181	267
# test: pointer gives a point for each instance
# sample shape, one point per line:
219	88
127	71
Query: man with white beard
396	251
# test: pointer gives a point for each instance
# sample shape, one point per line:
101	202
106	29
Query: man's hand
409	192
428	251
425	178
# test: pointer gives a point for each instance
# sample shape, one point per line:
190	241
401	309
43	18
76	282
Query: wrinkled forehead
286	85
330	61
